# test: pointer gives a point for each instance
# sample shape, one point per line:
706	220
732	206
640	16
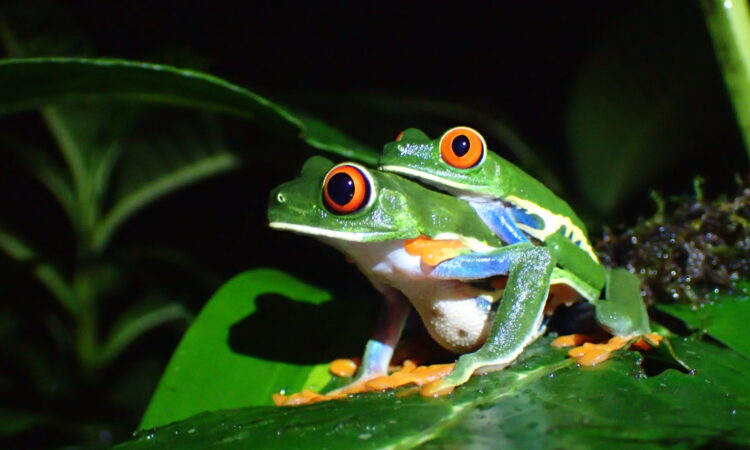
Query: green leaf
729	26
48	274
137	322
637	104
542	401
51	174
208	372
151	168
724	317
15	247
36	82
14	421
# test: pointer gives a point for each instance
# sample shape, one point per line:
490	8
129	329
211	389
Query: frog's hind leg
380	346
377	356
519	315
623	313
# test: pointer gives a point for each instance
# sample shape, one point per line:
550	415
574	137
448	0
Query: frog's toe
343	367
573	340
648	341
410	373
590	354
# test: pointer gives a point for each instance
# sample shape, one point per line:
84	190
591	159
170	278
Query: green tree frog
520	209
377	218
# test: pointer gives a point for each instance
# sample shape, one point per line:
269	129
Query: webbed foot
409	373
587	353
464	368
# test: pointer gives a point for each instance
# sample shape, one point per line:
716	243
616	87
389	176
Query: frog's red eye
462	147
399	136
346	189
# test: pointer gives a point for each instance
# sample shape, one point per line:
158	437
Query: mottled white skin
456	314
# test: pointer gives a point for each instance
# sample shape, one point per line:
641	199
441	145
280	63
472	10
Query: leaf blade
206	373
153	189
34	82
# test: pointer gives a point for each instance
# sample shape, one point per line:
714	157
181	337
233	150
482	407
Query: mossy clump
691	248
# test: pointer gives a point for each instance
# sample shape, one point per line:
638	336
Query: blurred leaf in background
646	99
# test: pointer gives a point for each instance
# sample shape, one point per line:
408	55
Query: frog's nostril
280	197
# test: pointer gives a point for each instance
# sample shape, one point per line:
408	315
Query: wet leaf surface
542	401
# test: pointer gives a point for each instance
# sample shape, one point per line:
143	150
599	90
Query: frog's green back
490	178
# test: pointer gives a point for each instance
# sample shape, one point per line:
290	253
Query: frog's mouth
430	181
333	234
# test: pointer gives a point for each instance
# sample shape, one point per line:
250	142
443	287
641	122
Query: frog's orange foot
409	373
591	354
573	340
307	396
433	252
648	341
343	367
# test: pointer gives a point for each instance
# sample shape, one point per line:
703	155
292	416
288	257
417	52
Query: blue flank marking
472	267
498	219
522	216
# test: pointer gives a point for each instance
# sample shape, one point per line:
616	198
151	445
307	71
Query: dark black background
516	61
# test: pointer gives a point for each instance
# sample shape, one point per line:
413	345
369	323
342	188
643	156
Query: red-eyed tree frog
379	220
519	209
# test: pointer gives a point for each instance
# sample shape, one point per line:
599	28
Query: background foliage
101	270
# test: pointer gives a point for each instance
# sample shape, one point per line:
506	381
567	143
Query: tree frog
520	209
378	220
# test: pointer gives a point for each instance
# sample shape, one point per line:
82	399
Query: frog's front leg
380	347
519	315
622	313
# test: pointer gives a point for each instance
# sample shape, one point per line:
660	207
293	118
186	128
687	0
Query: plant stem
729	27
86	323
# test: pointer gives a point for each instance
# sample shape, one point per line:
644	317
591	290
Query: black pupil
341	188
460	145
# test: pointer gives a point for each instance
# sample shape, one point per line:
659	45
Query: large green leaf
725	318
729	27
35	82
542	401
153	165
209	372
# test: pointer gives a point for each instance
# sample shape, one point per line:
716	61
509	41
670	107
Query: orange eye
346	189
462	147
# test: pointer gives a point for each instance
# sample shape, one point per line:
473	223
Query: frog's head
345	202
458	161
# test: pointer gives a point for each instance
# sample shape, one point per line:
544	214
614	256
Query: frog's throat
333	234
473	244
472	192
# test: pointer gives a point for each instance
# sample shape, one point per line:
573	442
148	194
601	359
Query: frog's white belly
456	314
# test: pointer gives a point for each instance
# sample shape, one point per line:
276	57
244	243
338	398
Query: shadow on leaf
285	330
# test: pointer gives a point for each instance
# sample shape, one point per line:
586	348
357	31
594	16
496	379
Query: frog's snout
277	197
277	200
